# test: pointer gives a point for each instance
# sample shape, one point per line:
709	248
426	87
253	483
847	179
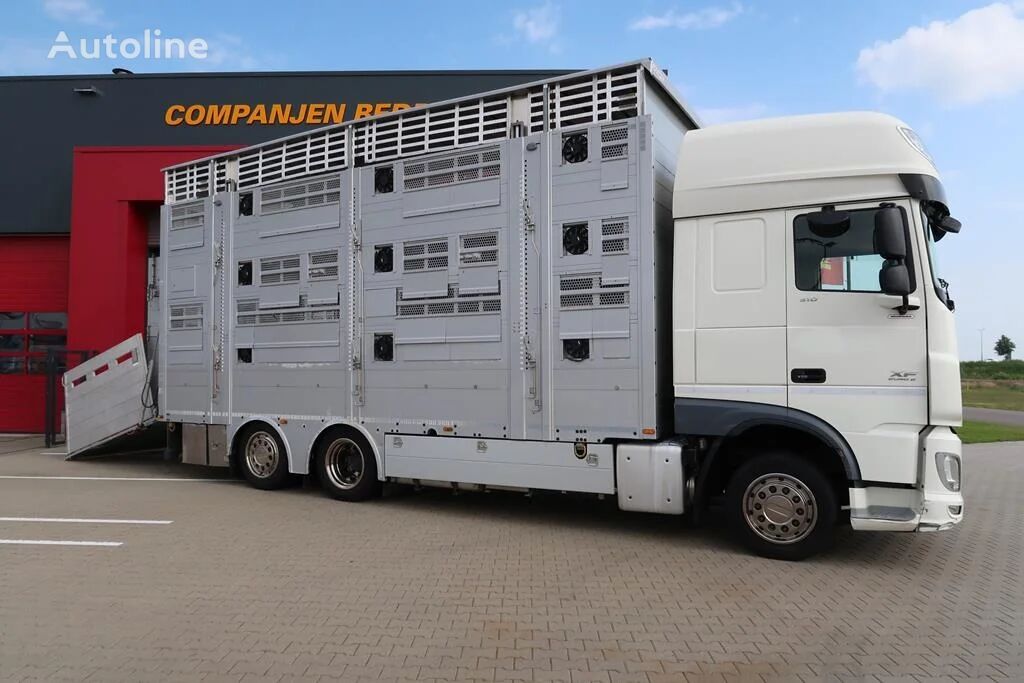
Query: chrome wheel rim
261	455
344	464
780	508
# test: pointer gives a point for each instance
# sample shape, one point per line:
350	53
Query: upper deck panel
608	94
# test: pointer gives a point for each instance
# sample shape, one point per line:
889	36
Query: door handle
808	375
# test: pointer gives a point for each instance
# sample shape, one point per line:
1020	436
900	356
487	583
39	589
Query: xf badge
898	376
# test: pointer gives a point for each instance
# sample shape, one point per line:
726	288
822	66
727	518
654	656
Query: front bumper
929	506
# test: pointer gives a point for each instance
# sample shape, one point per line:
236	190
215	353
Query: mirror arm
905	306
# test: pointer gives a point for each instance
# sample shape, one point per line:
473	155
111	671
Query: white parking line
77	520
25	476
104	544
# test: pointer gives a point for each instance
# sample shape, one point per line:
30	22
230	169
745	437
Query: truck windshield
933	232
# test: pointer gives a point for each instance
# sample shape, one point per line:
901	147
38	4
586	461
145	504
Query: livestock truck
572	286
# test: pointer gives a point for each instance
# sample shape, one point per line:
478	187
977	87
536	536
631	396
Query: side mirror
828	224
950	224
894	279
890	241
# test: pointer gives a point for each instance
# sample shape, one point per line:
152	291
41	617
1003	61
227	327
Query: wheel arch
314	443
249	422
735	425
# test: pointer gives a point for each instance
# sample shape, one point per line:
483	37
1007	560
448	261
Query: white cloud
538	24
708	17
975	57
81	11
744	112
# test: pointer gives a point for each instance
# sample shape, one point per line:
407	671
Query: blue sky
952	69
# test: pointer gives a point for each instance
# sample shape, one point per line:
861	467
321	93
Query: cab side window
830	262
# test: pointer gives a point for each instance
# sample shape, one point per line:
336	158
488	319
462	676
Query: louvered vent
467	167
323	265
220	175
604	96
452	304
478	249
432	129
187	317
279	270
249	315
423	256
615	236
588	291
293	158
187	182
188	216
246	311
320	192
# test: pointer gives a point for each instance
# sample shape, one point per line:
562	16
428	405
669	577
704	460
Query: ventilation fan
574	148
576	350
384	179
384	259
245	204
575	239
383	347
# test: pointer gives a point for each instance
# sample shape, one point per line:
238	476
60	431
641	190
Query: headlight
948	465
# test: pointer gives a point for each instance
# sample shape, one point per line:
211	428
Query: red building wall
107	277
98	274
34	274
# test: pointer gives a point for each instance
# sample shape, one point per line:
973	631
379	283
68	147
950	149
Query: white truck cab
811	325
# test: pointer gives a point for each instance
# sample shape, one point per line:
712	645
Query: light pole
981	344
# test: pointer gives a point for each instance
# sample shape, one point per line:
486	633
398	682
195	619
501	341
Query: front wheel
782	507
346	466
263	459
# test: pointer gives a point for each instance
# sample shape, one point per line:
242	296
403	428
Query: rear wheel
262	457
782	506
346	466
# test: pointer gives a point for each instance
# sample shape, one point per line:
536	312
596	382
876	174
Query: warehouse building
81	188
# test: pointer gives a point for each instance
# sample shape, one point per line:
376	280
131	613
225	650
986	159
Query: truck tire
782	506
346	467
263	458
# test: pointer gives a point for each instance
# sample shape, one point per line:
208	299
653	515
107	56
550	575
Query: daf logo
898	376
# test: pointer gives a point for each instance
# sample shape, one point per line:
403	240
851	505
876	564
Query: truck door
854	359
189	243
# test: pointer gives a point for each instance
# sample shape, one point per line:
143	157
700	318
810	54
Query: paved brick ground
246	585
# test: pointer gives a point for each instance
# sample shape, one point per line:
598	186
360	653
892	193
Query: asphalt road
1004	417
